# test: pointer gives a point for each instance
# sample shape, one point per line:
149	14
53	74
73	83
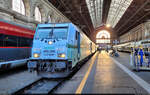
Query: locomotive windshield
52	33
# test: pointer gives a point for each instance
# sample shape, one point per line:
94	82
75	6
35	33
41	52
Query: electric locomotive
58	47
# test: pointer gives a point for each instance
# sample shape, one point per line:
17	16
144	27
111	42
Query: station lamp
107	25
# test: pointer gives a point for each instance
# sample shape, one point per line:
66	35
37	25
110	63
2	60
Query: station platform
11	83
103	74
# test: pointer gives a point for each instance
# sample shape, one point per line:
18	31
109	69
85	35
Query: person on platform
141	53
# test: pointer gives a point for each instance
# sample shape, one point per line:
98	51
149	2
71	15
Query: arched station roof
90	15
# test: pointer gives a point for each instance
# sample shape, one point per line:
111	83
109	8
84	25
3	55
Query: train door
78	45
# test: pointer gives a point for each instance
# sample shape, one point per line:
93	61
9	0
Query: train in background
138	36
15	44
59	47
127	47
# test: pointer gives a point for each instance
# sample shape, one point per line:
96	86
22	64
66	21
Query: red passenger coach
15	41
10	29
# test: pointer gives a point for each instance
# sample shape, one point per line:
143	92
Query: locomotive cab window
52	33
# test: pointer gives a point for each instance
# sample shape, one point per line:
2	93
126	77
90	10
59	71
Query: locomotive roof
55	24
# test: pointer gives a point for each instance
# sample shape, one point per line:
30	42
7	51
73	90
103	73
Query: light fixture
107	25
62	55
50	42
36	55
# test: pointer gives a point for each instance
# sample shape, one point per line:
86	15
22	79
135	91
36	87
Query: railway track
44	85
41	86
47	85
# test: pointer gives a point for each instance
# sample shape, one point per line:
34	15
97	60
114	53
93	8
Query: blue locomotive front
50	50
59	47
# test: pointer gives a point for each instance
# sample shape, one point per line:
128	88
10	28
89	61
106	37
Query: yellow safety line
79	90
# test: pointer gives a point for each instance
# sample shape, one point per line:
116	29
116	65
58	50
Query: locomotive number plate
48	54
49	48
49	51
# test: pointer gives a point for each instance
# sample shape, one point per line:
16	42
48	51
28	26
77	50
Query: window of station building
103	37
38	15
58	20
18	6
49	19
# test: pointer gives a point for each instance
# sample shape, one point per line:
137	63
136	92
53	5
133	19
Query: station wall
138	33
46	9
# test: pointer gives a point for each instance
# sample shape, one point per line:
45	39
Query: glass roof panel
95	10
116	11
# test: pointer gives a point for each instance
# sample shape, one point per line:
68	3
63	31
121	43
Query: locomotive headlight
50	42
36	55
62	55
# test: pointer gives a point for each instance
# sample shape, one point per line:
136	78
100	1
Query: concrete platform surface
101	75
14	82
124	60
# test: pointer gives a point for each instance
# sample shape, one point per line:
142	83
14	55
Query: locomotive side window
60	33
